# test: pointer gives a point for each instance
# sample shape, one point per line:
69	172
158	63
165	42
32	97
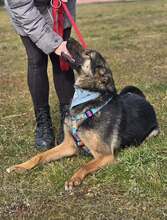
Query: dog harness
82	96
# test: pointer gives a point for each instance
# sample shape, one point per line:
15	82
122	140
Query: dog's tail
132	89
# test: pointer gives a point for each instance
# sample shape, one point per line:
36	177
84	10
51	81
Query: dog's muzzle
75	63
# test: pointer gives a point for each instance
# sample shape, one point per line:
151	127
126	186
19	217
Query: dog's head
92	70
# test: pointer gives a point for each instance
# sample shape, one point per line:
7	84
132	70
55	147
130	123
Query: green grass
132	37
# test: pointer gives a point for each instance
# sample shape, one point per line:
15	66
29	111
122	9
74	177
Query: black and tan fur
128	119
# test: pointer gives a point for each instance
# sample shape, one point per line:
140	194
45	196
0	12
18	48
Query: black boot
44	135
64	109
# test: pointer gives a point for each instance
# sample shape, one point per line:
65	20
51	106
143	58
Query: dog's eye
85	56
87	51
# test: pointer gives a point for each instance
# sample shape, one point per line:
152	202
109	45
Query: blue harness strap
83	116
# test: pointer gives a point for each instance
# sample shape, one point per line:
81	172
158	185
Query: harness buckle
89	114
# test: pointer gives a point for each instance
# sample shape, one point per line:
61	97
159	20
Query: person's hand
62	49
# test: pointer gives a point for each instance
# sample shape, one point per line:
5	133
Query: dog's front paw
74	181
16	168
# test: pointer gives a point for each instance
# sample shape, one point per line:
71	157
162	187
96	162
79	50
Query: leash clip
59	5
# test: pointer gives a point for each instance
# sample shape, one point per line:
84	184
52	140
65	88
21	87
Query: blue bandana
82	96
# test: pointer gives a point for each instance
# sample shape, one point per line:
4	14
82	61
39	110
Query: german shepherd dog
122	119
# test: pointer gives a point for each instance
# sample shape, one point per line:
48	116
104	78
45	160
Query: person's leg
39	89
63	81
64	85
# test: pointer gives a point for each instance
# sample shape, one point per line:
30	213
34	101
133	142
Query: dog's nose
68	58
75	63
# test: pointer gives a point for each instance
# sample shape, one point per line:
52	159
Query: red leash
59	7
74	25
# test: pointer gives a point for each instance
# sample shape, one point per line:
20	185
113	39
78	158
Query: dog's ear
106	79
102	72
97	60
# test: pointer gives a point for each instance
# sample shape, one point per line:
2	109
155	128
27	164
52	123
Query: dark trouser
38	78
